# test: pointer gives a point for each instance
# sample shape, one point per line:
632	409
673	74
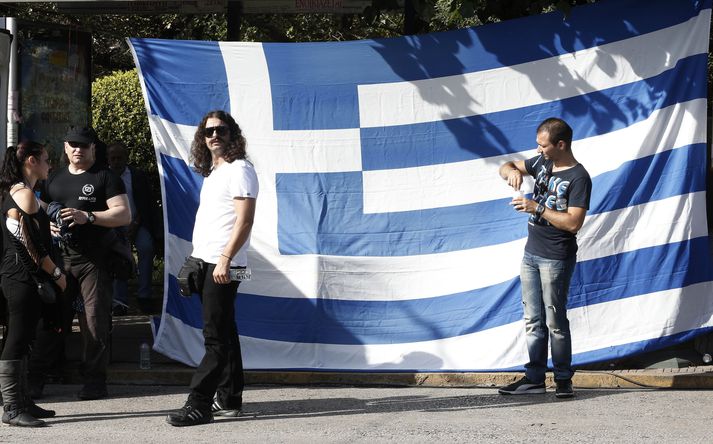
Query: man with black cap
93	201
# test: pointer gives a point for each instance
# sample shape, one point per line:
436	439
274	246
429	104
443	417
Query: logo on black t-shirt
88	190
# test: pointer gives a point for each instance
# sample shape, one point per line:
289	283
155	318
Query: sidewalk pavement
130	331
372	415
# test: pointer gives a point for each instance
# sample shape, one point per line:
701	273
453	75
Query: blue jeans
545	286
144	250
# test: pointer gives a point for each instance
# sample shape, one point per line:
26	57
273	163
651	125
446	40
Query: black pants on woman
221	369
24	309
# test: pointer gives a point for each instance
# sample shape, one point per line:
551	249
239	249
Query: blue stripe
332	321
184	79
671	173
188	310
646	270
323	213
635	348
505	132
316	76
183	188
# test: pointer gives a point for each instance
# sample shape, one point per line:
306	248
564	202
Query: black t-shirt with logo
87	191
557	191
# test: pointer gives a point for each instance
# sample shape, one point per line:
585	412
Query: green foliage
119	115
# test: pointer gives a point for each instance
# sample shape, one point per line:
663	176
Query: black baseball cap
81	134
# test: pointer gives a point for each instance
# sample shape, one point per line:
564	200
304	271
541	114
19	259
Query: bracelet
227	257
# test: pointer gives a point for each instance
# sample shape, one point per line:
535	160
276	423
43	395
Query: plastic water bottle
144	356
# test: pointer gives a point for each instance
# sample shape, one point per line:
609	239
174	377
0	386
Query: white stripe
179	341
593	327
462	183
176	255
172	139
274	152
674	219
670	220
533	83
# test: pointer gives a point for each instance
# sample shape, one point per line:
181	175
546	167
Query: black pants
94	285
221	369
48	351
96	290
24	309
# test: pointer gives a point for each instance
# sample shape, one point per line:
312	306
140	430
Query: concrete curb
178	374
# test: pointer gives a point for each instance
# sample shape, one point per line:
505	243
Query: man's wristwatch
56	273
540	209
90	217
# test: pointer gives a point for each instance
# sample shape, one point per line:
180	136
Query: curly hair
200	154
15	157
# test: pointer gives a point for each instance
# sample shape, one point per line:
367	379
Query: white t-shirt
216	213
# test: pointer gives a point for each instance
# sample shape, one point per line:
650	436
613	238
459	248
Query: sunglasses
79	145
221	131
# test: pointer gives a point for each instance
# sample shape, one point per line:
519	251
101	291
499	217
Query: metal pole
234	18
13	93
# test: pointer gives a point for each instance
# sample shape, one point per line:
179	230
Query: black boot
32	408
14	408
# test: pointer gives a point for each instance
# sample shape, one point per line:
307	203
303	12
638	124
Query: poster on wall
55	83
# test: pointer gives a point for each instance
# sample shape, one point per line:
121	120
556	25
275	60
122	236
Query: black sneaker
189	416
522	387
119	310
219	410
564	388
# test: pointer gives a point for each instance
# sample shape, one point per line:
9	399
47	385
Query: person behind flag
145	229
221	235
559	203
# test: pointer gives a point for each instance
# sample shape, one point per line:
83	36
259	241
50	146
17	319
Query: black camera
55	214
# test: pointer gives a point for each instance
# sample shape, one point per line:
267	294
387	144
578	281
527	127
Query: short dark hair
557	129
200	154
119	145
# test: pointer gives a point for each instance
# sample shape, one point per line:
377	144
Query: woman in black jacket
25	269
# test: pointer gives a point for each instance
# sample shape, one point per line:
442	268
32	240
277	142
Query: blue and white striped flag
383	238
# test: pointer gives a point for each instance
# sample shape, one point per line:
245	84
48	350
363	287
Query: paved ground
381	414
611	405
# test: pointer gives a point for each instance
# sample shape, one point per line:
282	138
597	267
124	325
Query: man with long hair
221	236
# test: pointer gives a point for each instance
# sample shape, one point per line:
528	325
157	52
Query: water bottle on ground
144	356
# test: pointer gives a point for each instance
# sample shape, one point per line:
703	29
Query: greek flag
383	239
